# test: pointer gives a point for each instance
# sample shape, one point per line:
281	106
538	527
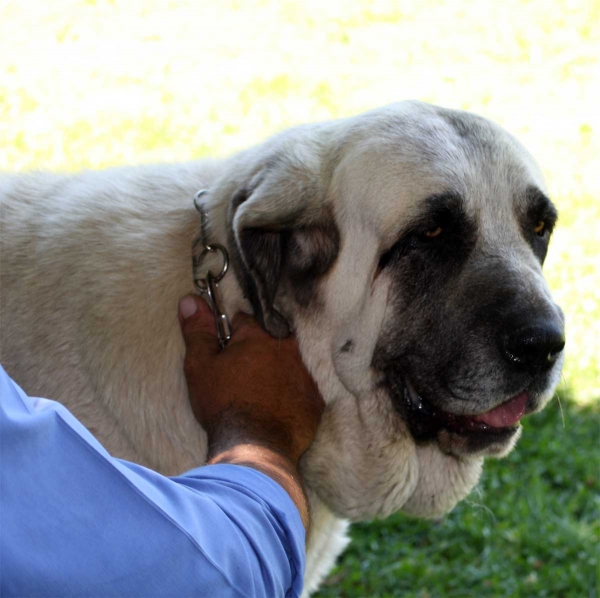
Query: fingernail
187	307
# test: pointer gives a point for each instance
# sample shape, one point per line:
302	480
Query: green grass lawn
530	528
93	83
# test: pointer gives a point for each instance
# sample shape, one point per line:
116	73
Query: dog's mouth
425	420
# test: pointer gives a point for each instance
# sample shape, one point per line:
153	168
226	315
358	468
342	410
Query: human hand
256	391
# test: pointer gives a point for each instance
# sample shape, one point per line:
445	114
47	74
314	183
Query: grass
97	82
531	528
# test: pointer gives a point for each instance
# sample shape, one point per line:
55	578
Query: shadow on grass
530	528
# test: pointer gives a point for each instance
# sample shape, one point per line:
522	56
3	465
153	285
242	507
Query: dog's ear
279	228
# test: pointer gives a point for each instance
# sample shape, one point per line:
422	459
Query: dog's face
406	248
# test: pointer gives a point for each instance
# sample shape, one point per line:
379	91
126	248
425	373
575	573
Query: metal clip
221	320
208	284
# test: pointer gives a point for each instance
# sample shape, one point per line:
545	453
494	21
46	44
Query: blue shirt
75	521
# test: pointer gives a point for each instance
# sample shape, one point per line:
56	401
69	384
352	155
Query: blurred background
95	83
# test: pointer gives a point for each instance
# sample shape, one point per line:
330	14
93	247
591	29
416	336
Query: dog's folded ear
279	228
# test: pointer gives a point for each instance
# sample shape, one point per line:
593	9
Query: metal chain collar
207	285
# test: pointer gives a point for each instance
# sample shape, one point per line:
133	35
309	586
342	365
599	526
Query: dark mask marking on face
453	308
424	270
425	261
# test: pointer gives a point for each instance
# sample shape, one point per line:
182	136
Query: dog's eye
540	228
434	232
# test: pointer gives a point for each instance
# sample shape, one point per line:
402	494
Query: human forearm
272	463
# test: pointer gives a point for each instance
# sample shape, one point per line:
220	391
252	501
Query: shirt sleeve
75	521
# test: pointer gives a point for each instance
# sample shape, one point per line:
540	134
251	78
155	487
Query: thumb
198	327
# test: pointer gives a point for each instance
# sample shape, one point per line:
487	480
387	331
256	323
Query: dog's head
405	248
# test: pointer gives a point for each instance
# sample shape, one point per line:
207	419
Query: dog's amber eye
433	233
540	228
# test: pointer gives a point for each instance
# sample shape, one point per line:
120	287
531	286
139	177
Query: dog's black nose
534	347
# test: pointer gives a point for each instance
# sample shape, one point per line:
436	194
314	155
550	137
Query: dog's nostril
534	347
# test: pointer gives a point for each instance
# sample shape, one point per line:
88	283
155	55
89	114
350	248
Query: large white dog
403	247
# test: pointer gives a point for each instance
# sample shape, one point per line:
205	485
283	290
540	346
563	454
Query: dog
404	249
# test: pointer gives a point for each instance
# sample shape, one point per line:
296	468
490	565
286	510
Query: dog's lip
501	418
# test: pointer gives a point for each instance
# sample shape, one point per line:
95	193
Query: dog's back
92	268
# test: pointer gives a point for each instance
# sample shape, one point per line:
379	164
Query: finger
198	327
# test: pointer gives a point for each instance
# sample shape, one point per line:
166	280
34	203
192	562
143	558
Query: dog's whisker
562	413
482	507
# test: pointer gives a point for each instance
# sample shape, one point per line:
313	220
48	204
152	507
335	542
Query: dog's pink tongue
507	414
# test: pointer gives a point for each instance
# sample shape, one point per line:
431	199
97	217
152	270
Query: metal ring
212	249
